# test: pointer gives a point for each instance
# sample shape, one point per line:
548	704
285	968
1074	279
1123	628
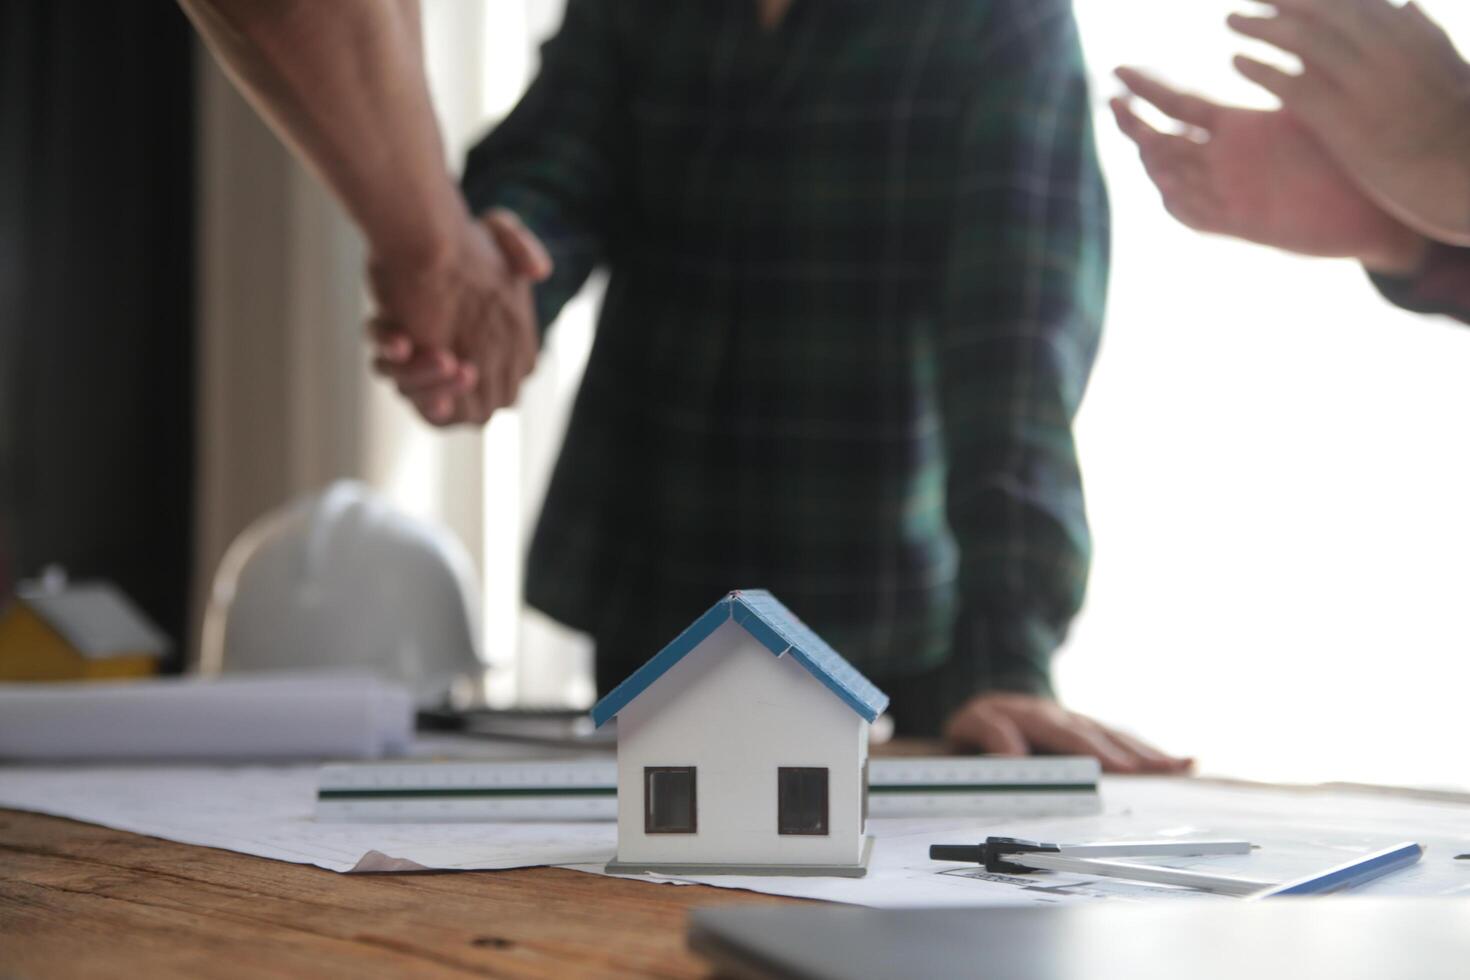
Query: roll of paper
269	716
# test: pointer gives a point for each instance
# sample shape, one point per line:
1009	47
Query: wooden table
81	900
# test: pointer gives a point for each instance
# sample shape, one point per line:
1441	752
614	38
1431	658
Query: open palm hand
1385	90
1259	176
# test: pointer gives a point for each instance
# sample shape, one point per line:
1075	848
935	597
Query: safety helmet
340	579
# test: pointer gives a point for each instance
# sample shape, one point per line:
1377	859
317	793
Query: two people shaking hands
857	302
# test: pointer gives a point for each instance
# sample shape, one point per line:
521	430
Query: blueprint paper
267	811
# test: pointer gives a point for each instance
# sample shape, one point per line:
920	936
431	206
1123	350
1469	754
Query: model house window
668	800
801	804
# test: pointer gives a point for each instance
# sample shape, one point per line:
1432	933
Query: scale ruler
434	792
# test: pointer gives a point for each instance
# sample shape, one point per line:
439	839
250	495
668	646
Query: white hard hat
339	579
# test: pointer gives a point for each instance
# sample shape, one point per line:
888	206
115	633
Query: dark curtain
96	295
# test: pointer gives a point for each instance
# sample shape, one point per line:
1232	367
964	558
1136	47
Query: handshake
455	330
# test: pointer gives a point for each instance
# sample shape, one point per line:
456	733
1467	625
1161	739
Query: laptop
1298	938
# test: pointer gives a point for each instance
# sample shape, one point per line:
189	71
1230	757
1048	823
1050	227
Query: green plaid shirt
857	272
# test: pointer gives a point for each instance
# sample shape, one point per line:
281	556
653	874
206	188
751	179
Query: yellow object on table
83	631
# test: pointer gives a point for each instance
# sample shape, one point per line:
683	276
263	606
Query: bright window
1278	468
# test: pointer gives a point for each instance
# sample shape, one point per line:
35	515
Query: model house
77	631
743	749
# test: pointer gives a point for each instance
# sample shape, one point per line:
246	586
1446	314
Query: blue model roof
777	628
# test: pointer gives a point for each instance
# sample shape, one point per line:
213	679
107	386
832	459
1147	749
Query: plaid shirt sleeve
1442	284
554	160
1022	314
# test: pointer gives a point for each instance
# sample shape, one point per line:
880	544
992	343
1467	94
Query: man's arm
344	86
1023	309
557	160
1024	299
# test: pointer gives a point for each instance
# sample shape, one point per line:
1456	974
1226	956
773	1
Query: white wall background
1275	458
1277	470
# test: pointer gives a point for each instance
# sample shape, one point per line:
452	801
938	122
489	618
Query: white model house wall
737	712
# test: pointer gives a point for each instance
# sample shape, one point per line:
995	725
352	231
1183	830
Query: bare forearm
344	85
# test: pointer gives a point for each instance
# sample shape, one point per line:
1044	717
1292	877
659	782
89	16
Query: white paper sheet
266	811
1298	832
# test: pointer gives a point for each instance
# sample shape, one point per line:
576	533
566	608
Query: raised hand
1262	177
1386	93
458	335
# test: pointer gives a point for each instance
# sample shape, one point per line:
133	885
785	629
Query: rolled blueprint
270	716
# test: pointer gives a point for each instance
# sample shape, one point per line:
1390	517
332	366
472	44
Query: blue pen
1348	874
